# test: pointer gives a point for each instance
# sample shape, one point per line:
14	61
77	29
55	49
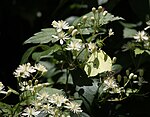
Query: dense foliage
82	66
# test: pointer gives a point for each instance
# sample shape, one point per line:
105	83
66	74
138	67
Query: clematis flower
62	36
92	47
60	25
73	106
24	70
74	45
58	99
141	36
40	68
30	112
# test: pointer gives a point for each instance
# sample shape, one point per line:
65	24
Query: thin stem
67	79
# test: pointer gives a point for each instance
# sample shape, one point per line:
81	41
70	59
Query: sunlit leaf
138	51
97	63
44	36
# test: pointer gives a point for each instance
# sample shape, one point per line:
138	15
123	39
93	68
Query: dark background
19	20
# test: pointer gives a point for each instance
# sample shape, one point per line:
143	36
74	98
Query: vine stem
67	78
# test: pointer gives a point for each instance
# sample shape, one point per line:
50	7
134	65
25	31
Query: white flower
74	45
140	81
110	83
60	25
74	107
30	112
40	68
43	96
48	108
110	33
37	104
25	86
141	36
57	99
62	36
92	47
2	88
24	70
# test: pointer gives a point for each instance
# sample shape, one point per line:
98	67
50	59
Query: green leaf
109	18
130	25
45	54
116	68
102	19
97	63
138	51
100	2
51	90
147	51
44	36
6	108
62	79
129	33
27	54
82	114
86	31
89	91
13	91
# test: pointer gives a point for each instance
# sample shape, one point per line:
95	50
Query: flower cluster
141	41
121	84
43	103
52	105
76	60
26	80
111	85
25	70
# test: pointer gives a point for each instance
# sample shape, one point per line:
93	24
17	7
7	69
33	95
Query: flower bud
30	82
8	92
79	24
141	72
74	32
71	28
114	60
46	84
119	77
100	8
127	72
84	18
131	75
92	19
93	10
105	13
134	76
36	82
